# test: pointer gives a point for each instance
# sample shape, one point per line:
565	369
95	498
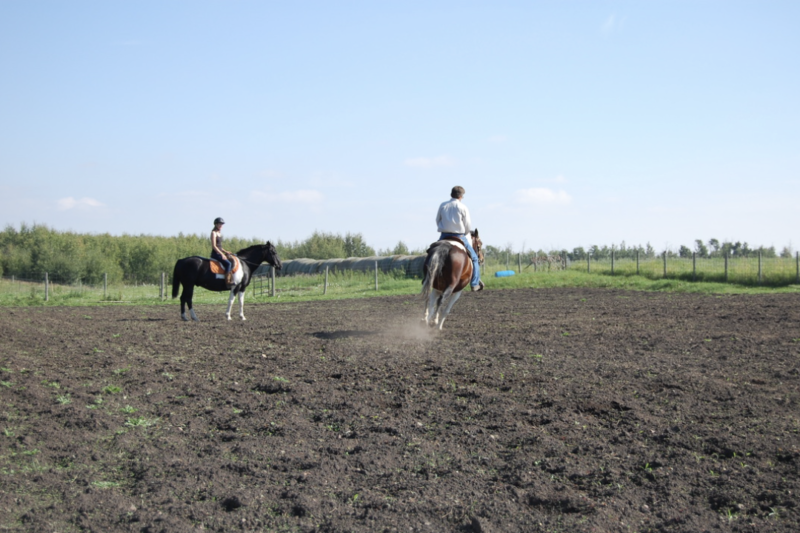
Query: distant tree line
712	248
35	249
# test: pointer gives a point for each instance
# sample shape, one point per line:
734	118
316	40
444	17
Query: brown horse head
477	245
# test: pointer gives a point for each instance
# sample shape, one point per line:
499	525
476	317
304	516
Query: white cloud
542	196
303	196
430	162
71	203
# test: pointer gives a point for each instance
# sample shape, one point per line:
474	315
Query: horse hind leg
186	300
446	311
432	308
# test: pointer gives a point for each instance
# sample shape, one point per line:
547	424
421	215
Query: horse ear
475	232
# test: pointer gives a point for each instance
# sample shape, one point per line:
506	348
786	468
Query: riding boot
229	279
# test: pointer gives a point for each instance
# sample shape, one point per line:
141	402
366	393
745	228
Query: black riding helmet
218	220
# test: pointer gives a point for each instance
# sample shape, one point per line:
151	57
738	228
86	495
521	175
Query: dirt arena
533	410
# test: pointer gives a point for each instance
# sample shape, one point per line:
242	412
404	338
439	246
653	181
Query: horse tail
437	256
176	279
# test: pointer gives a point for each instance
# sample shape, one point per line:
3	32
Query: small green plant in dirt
64	399
105	484
167	375
121	371
112	389
97	403
141	422
7	384
128	410
53	384
8	432
280	379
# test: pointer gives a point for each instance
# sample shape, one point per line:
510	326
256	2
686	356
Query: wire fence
757	270
54	287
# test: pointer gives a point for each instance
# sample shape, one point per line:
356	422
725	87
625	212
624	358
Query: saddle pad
457	243
217	268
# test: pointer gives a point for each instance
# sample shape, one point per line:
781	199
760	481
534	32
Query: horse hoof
184	319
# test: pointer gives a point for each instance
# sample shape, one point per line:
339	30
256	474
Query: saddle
217	268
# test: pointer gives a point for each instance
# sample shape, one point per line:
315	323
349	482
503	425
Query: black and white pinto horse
196	271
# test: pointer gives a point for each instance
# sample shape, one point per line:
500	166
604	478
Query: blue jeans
223	260
476	269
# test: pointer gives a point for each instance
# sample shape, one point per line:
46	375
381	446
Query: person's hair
457	192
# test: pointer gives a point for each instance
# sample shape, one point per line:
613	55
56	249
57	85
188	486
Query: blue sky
569	123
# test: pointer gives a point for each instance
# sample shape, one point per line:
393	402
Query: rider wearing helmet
218	252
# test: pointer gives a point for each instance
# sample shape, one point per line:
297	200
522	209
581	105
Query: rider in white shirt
452	220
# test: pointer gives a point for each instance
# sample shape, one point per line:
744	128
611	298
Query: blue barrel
504	273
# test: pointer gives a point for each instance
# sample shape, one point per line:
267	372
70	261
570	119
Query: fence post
519	263
726	267
637	262
760	277
272	280
694	266
105	285
325	287
612	261
376	275
665	264
46	287
588	263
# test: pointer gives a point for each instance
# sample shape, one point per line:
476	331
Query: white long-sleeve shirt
453	217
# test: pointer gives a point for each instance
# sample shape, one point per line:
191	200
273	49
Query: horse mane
245	251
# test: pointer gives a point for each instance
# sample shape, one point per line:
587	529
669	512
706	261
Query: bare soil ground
534	410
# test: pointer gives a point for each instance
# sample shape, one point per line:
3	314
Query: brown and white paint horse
448	269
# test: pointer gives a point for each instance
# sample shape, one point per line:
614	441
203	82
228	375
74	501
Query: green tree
715	247
354	246
400	249
578	254
700	248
